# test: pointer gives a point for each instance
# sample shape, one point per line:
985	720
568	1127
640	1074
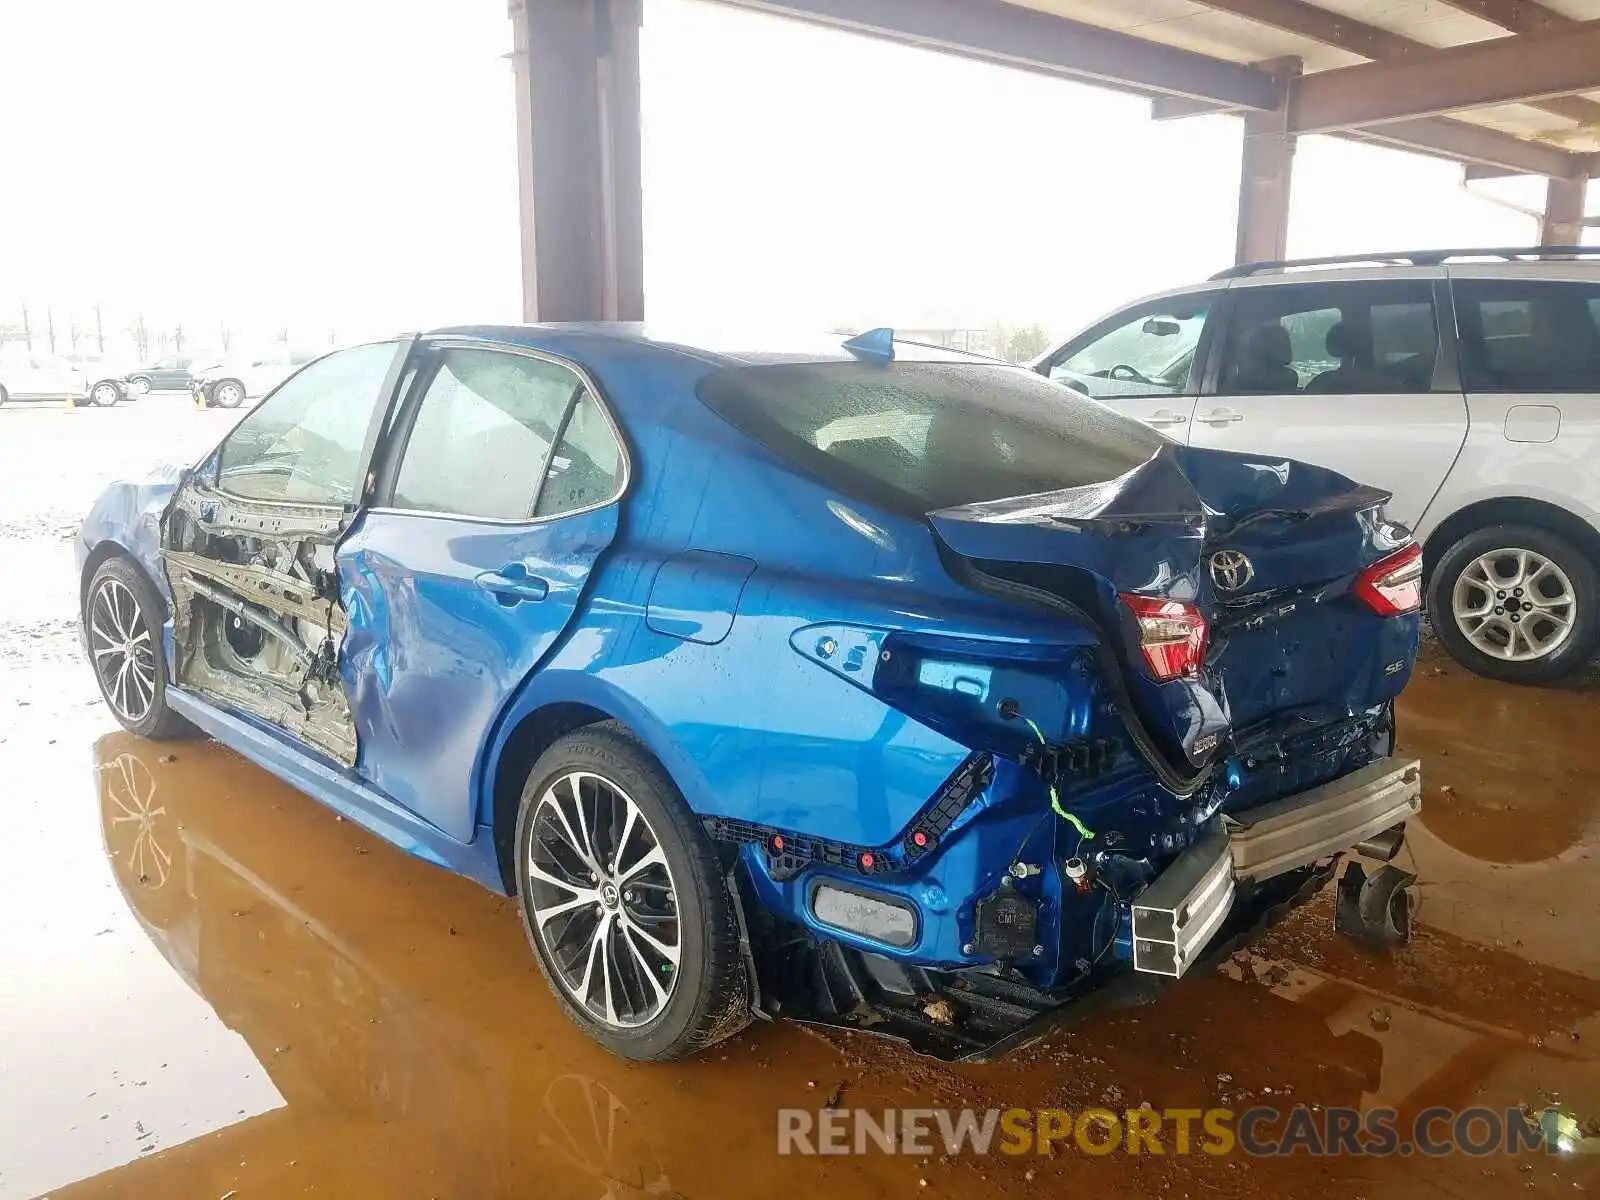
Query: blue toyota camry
864	686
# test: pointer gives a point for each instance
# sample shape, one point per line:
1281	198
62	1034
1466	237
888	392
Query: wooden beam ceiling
994	31
1500	71
1306	20
1519	16
1463	143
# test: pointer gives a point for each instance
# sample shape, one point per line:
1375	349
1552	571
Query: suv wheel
228	394
104	394
1516	602
624	901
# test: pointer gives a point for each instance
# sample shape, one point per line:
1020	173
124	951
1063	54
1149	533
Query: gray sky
351	164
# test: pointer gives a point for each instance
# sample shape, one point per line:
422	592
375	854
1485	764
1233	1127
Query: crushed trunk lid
1264	549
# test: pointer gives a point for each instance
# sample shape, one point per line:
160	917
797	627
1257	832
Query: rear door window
481	443
1524	335
1354	338
922	436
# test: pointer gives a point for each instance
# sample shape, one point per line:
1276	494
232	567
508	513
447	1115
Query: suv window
480	444
919	436
1147	353
303	443
1331	339
1523	335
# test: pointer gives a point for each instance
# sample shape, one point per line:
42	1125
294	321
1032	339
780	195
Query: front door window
1149	353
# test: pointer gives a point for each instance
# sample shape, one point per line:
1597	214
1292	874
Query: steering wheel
1126	374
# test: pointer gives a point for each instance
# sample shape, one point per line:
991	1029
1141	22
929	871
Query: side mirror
1161	327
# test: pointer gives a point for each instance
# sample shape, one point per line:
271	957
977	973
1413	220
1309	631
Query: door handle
1221	416
1165	416
512	584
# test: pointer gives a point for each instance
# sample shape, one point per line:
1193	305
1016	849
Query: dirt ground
215	988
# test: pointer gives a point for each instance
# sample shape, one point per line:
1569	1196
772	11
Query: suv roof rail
1410	258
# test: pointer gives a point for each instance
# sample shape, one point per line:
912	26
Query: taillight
1392	586
1172	635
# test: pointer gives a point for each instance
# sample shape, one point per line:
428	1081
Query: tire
227	394
120	603
139	385
1531	643
707	997
104	394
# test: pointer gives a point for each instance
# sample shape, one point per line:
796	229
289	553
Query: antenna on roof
875	345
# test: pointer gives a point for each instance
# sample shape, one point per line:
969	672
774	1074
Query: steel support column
578	159
1563	212
1266	170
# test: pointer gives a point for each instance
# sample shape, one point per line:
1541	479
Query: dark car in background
169	373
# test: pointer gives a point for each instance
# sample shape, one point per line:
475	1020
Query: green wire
1055	800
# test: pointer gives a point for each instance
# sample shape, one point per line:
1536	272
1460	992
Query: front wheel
228	394
1516	602
624	901
104	395
140	385
122	631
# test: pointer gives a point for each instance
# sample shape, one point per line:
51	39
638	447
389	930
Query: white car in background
107	377
36	375
227	384
1467	383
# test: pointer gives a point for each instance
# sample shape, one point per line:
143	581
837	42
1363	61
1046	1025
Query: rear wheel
104	394
228	394
1516	602
122	630
624	902
140	384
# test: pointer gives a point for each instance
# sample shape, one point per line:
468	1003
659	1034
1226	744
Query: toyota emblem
1231	570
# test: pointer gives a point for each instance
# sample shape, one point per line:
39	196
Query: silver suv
1467	383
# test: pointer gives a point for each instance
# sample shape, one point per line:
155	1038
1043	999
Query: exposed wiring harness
1084	832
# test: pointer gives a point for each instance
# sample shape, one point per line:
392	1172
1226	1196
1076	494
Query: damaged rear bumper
1176	916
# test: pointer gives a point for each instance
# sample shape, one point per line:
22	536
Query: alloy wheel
1514	604
229	394
124	654
602	900
104	395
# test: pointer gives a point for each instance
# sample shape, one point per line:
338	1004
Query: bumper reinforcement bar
1176	916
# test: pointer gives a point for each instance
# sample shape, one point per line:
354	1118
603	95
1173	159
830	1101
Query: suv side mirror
1161	327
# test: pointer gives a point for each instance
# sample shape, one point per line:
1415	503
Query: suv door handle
512	584
1221	416
1165	416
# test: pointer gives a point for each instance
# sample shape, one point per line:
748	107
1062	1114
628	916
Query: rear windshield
924	436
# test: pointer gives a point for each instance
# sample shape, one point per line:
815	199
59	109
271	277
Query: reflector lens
1392	586
1172	635
870	915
